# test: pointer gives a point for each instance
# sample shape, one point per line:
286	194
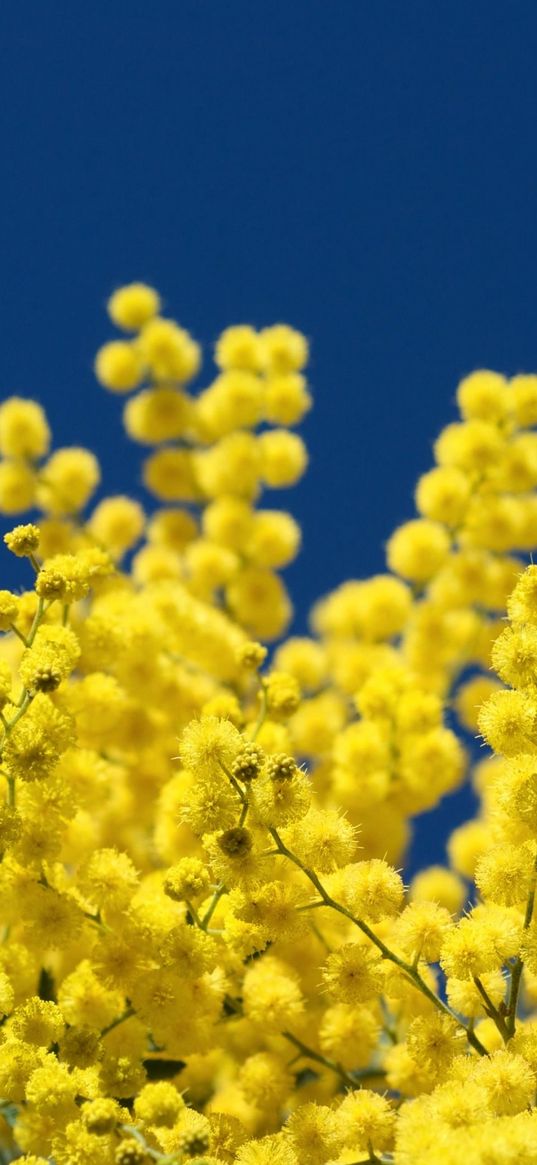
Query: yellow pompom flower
283	348
18	487
130	1152
508	1081
259	601
31	1159
443	494
168	351
157	414
368	1120
517	471
229	521
209	746
23	540
522	603
6	681
45	665
265	1080
268	1151
280	800
233	401
117	523
282	694
101	1116
484	395
24	431
9	605
313	1131
507	721
421	930
70	577
474	446
418	549
38	1021
283	457
353	973
211	804
170	475
239	347
159	1104
504	875
418	711
208	567
274	539
271	995
232	466
188	879
29	753
438	885
172	529
251	655
468	950
383	606
517	790
433	1041
524	397
466	845
118	366
7	995
287	399
53	919
371	889
470	696
272	909
109	878
349	1033
323	840
225	706
68	480
131	306
17	1063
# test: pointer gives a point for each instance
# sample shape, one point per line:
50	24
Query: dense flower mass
208	954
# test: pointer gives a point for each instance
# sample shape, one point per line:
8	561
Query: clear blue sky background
365	171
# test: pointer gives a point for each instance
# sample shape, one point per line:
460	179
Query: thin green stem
116	1022
518	967
193	913
220	890
19	634
311	1054
40	611
240	792
137	1135
389	1025
411	972
491	1010
262	711
25	701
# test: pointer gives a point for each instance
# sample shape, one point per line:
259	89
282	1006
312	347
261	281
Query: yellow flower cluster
207	956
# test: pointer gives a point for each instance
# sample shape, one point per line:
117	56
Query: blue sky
365	171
